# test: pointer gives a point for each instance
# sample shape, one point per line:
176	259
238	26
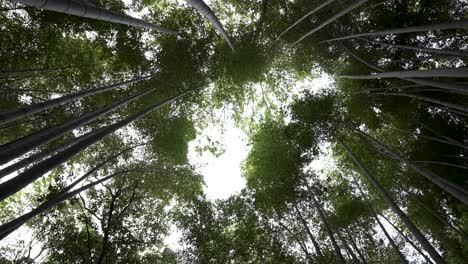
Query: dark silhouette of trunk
306	16
443	26
309	233
457	229
299	241
19	147
11	226
17	222
326	225
396	209
23	179
343	12
10	116
347	247
430	100
452	188
107	229
445	140
390	88
456	53
353	243
439	84
40	155
407	239
33	71
387	235
441	163
441	135
206	11
84	9
430	73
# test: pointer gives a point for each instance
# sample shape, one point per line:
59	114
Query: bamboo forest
352	117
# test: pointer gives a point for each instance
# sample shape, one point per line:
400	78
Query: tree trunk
442	163
14	224
38	156
106	231
26	144
445	140
301	243
452	188
311	236
65	191
443	26
343	12
409	224
442	136
305	16
444	85
326	225
10	116
455	53
22	72
387	235
353	243
390	88
206	11
347	247
407	239
84	9
457	230
23	179
441	72
430	100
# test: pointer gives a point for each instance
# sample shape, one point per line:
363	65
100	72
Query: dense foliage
361	169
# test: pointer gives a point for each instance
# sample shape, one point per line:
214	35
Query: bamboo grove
101	99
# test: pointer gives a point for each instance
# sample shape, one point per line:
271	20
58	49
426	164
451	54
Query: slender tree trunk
347	247
309	233
452	188
22	72
456	53
407	239
441	163
441	72
206	11
84	9
457	230
444	85
379	4
24	145
343	12
106	231
17	222
11	226
301	243
305	16
445	140
441	135
40	155
353	243
443	26
382	227
10	116
430	100
326	225
409	224
390	88
23	179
